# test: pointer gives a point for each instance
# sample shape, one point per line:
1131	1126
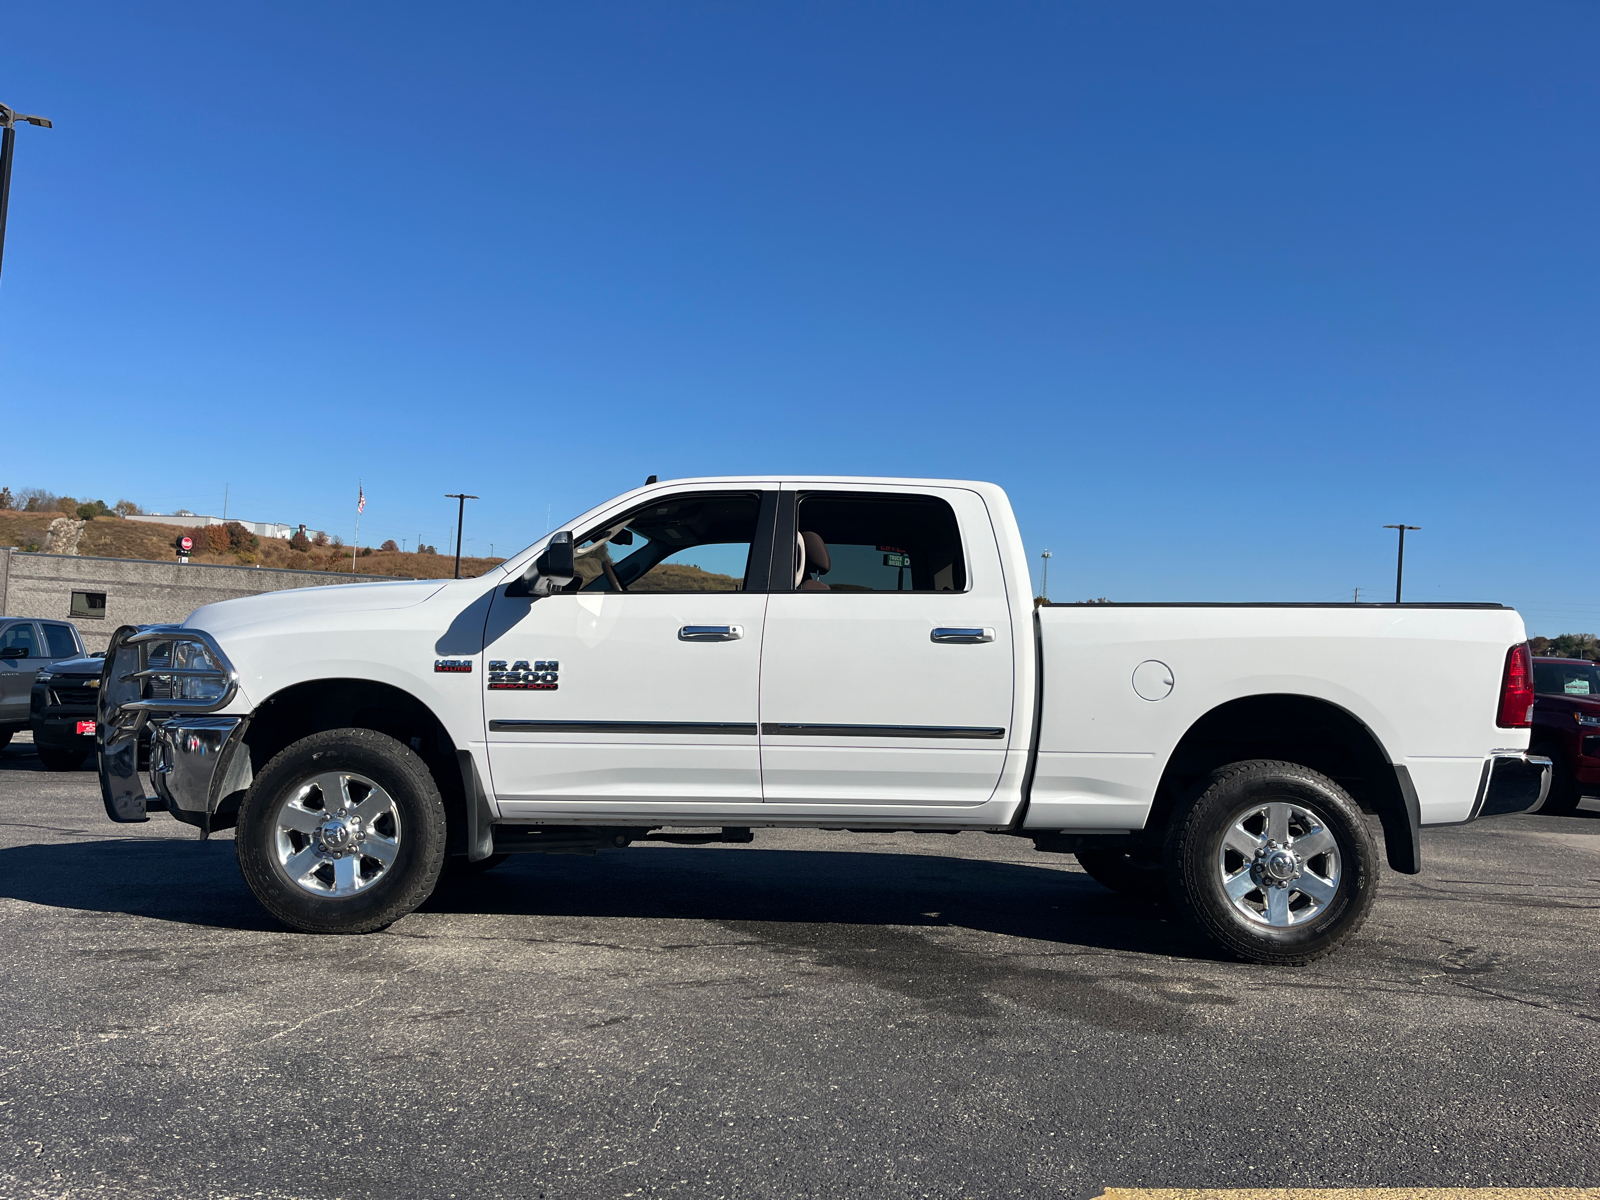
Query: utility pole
1044	577
461	513
1358	596
8	139
1400	562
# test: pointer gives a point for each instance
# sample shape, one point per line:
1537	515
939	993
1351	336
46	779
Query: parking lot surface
814	1014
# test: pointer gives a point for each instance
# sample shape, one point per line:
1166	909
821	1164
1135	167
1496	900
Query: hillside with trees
26	517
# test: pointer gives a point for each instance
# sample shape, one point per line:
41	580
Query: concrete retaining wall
137	592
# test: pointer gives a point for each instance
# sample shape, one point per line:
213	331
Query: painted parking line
1388	1193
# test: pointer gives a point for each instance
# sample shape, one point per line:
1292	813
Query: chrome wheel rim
1279	864
337	834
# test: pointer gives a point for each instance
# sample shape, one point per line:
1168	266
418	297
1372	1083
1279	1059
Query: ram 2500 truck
836	653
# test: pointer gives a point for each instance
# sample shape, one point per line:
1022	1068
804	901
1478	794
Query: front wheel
342	832
1273	862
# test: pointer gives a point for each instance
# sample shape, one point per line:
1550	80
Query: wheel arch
1313	732
317	705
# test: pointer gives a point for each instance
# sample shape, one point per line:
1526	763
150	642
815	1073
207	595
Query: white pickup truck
838	653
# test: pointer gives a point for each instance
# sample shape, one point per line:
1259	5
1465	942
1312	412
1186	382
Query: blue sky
1214	290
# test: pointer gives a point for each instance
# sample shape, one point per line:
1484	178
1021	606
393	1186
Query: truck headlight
43	677
210	678
1586	719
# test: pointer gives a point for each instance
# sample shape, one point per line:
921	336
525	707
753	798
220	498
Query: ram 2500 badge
858	654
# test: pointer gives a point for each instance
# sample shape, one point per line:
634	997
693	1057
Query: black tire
457	868
1135	873
61	760
5	738
1564	791
1292	927
414	812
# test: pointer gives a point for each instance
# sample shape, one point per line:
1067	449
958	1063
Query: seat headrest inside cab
816	553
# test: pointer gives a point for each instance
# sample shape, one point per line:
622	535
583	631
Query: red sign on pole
186	544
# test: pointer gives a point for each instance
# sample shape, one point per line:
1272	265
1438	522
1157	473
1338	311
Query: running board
586	839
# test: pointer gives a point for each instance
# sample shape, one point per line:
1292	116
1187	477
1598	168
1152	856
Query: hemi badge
453	666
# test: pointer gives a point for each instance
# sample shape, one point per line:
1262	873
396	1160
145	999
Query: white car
825	652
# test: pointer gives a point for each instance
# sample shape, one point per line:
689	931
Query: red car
1566	726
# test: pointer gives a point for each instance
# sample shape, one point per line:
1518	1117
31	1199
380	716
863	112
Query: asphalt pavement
811	1015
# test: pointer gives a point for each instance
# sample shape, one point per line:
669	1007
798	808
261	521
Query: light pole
8	138
461	513
1044	578
1400	562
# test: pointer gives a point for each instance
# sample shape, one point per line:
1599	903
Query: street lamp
1044	578
8	137
461	512
1400	563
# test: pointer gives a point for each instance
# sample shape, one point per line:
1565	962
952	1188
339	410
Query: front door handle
963	637
711	633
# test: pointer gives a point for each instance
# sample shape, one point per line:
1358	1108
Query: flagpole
356	540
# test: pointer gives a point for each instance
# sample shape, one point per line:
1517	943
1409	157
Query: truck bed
1422	680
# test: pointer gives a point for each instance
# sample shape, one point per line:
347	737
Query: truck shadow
198	883
823	887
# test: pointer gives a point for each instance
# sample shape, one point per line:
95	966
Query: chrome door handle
711	633
963	637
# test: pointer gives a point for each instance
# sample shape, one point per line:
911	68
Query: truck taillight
1516	693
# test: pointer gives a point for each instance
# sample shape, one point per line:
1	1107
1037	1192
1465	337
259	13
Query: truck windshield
1566	679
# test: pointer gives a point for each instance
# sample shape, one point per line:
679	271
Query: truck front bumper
1514	781
195	756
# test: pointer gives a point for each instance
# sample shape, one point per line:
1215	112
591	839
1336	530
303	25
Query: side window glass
20	637
877	543
61	641
695	543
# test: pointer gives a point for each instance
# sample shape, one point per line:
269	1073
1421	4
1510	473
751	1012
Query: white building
188	520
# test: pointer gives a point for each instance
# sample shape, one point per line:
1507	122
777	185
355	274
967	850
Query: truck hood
299	605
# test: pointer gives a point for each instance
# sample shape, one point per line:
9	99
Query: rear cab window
1566	679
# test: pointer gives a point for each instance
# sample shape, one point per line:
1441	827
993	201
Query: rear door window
62	640
877	543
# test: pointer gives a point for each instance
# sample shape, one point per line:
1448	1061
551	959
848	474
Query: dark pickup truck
1566	727
61	711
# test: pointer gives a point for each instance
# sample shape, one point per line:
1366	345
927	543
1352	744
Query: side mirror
14	652
551	571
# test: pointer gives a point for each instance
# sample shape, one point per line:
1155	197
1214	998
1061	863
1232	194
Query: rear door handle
963	637
711	633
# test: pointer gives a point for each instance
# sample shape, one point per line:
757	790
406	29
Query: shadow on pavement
199	883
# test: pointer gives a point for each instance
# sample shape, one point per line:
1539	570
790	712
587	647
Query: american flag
361	500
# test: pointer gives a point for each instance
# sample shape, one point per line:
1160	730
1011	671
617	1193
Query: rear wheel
1273	862
342	832
5	738
61	760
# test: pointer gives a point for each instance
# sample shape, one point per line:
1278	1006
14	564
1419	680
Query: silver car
26	647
